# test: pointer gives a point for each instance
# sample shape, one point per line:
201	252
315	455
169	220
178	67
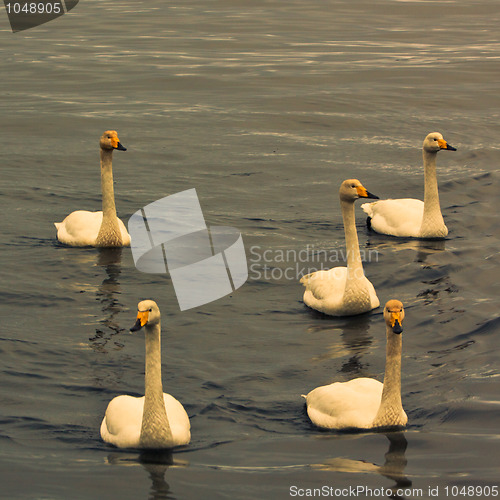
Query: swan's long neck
356	294
432	221
390	412
155	429
354	264
109	233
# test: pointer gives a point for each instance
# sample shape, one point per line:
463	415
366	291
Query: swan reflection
155	463
393	467
351	339
110	259
422	248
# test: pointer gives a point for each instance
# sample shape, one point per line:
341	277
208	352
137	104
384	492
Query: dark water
264	107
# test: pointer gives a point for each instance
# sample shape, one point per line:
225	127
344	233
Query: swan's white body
156	420
103	228
343	291
80	229
337	406
122	423
365	403
408	217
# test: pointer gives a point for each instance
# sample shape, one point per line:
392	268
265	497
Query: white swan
98	229
156	420
365	403
343	291
408	217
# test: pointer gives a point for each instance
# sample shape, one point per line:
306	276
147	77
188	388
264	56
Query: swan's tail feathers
368	208
303	396
57	224
305	279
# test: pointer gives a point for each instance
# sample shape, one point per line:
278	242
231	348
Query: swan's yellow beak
116	144
396	322
444	145
142	319
363	193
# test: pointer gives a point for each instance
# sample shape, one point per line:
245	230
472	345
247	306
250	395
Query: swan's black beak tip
397	328
137	326
450	148
372	196
120	147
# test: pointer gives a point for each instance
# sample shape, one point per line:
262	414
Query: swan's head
435	142
109	141
148	313
394	315
352	189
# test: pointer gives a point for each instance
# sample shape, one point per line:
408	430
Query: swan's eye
150	310
353	185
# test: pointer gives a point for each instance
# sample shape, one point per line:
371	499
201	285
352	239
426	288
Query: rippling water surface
264	107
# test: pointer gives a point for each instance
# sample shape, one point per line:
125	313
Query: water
263	107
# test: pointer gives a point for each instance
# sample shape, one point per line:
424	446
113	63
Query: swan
408	217
156	420
343	291
98	229
365	403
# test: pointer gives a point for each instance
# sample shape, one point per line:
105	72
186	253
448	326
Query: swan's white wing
122	422
322	284
343	405
178	420
79	228
325	289
125	235
401	217
374	300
